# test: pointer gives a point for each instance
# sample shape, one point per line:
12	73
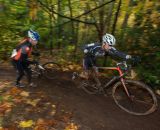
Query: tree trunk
101	21
72	23
116	17
108	18
76	37
125	21
128	13
51	32
33	8
59	27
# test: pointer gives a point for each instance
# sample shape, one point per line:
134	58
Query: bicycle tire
157	93
51	70
136	89
90	85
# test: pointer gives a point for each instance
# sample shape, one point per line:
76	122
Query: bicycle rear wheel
91	85
51	70
141	102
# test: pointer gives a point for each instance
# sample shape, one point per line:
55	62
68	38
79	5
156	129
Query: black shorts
89	62
20	66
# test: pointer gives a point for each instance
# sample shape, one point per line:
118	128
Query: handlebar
124	64
37	64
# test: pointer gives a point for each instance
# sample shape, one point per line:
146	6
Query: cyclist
94	50
20	57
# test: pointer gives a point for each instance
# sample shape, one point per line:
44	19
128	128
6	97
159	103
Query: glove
128	57
85	51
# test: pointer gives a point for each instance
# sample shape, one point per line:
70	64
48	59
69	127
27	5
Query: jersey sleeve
88	47
115	53
25	49
100	52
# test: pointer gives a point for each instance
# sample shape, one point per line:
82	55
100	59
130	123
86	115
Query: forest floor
59	105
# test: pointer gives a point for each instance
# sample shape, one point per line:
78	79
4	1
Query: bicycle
132	96
48	70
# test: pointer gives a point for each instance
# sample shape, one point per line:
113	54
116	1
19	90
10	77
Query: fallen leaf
7	97
71	67
4	107
42	122
66	117
8	110
24	94
25	124
65	69
33	102
40	128
48	103
17	100
71	126
54	106
53	112
14	91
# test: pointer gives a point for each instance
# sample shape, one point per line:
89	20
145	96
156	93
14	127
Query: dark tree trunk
51	32
72	23
59	27
116	17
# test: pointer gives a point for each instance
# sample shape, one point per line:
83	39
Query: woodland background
66	25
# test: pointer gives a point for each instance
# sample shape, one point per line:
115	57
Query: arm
25	53
115	53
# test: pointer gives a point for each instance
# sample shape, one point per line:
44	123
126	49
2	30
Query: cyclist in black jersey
94	50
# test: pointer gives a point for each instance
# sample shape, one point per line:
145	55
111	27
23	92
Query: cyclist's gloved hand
85	51
128	57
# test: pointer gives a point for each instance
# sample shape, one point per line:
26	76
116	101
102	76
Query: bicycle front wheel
51	70
142	100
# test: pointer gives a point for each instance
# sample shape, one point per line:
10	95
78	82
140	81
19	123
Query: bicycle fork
114	79
126	90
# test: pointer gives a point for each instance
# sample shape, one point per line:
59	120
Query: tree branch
74	19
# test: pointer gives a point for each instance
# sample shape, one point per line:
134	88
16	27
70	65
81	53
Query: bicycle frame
40	69
121	75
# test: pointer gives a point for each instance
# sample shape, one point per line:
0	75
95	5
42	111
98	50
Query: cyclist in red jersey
20	57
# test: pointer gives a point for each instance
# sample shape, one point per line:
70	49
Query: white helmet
108	38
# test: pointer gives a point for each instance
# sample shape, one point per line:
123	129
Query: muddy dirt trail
90	112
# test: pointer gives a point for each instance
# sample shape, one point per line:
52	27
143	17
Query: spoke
140	101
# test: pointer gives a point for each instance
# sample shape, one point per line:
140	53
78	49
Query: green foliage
138	36
142	38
